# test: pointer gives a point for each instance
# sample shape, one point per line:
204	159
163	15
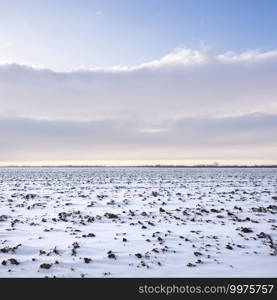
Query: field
138	222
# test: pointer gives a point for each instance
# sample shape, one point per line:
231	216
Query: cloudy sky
134	82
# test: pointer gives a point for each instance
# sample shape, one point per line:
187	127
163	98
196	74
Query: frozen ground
133	222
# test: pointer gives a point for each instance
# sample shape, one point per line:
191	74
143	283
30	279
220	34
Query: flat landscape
138	222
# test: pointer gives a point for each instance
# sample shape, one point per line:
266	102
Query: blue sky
66	34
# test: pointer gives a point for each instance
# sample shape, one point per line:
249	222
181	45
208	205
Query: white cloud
246	137
249	56
187	57
183	83
8	44
149	100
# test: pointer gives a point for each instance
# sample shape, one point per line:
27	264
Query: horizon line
146	166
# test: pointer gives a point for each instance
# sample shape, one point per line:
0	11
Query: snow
177	222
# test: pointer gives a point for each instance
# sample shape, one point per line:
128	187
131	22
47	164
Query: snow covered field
133	222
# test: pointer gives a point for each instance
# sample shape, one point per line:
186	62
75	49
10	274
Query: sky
138	82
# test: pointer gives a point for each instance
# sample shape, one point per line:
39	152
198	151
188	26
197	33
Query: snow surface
138	222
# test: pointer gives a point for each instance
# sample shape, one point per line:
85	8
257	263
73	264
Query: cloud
8	44
190	138
183	83
185	102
